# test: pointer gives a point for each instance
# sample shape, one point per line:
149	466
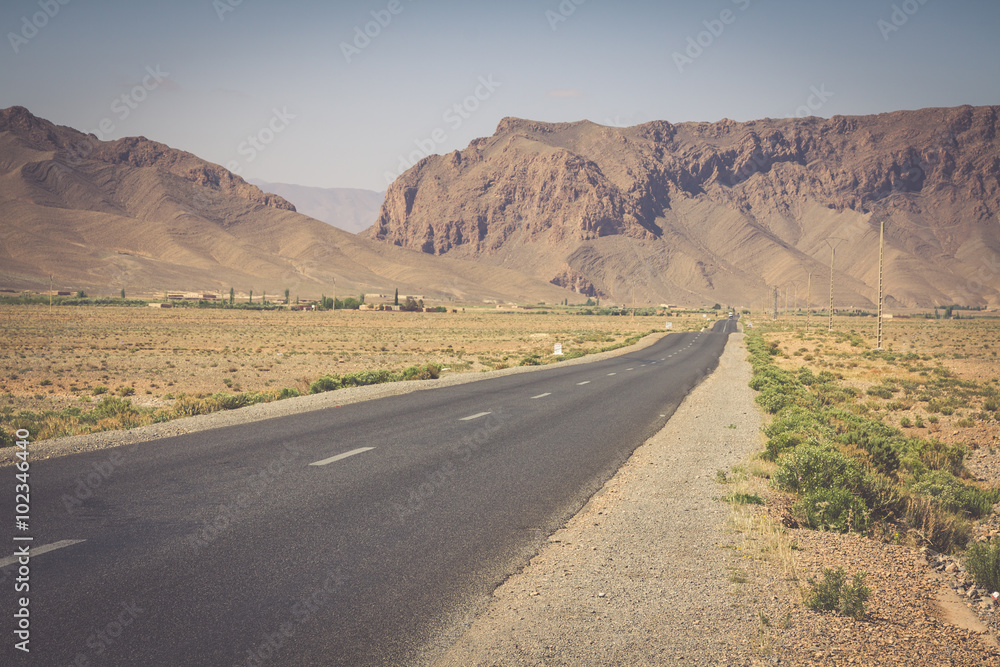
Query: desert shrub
834	509
881	495
834	594
905	422
880	392
425	372
223	401
112	406
363	378
325	383
932	454
289	392
189	406
126	391
99	389
983	561
953	495
811	467
531	360
780	443
940	529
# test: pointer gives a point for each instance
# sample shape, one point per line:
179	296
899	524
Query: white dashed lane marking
475	416
548	393
37	551
339	457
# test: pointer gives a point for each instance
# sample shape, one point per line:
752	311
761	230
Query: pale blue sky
277	71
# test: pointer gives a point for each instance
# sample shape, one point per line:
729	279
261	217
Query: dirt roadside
646	572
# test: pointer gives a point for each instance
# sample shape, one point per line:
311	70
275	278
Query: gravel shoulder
644	573
92	441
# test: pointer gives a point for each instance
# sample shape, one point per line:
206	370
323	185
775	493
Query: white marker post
558	350
669	325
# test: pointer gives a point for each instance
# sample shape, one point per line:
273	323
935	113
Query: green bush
289	392
325	383
880	392
836	510
99	389
189	406
810	467
112	406
882	496
953	495
983	561
531	360
834	594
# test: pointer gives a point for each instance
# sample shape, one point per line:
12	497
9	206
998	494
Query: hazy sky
297	92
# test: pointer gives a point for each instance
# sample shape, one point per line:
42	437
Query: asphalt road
347	536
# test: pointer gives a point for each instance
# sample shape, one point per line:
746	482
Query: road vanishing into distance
356	535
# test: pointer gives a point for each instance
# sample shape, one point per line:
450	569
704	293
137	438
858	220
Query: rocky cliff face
73	148
720	211
133	213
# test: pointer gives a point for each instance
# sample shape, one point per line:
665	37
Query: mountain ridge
135	214
719	211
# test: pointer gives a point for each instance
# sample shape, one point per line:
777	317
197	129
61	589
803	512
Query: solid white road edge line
338	457
37	551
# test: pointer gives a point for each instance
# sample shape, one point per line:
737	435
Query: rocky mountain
351	209
139	215
722	212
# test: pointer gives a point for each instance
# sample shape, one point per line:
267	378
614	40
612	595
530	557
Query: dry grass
943	375
61	357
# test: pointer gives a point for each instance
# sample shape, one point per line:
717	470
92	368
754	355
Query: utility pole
50	289
775	312
809	289
881	214
881	244
833	258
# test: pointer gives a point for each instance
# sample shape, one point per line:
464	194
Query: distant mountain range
691	214
705	212
351	209
139	215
